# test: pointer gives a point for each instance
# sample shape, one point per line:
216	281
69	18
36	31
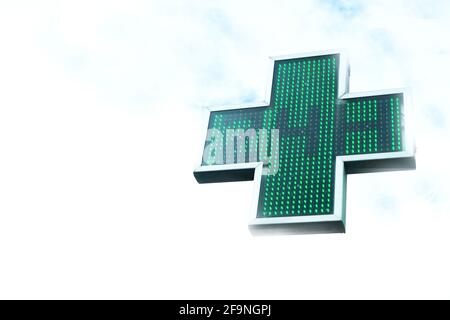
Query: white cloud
101	127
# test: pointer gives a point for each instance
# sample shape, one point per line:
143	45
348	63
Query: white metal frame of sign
374	162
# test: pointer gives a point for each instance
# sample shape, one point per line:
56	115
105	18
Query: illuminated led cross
324	134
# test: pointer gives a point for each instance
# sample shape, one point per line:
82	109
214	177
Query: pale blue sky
101	127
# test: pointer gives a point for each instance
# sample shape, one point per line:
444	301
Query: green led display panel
315	127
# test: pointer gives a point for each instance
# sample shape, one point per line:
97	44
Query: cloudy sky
101	128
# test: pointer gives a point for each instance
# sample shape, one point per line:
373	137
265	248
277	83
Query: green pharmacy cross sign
300	144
